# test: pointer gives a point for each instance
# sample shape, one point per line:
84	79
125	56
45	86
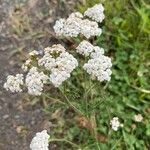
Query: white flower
72	27
95	13
99	68
14	83
138	118
59	62
49	58
97	52
35	81
115	124
59	27
68	28
26	65
65	64
40	141
57	77
75	25
85	48
47	61
90	28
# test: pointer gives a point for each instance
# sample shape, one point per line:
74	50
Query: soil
24	25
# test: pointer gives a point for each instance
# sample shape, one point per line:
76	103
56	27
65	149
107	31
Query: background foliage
126	36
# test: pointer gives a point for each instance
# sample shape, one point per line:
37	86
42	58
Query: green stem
64	140
54	99
115	145
76	109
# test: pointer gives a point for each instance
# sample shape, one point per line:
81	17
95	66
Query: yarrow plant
55	65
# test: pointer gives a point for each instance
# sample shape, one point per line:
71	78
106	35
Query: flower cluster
75	25
14	83
68	27
98	66
50	55
115	124
26	65
35	81
85	48
65	64
96	13
97	52
90	28
59	62
40	141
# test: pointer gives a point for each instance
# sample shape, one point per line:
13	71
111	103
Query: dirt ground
24	25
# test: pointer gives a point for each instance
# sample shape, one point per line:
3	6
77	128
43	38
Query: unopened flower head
99	68
55	49
138	118
35	81
115	124
95	13
85	48
34	53
40	141
76	15
14	83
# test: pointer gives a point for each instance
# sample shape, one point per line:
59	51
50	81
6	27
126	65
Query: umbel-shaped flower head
14	83
76	25
40	141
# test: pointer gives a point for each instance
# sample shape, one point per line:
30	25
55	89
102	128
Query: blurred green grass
126	38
